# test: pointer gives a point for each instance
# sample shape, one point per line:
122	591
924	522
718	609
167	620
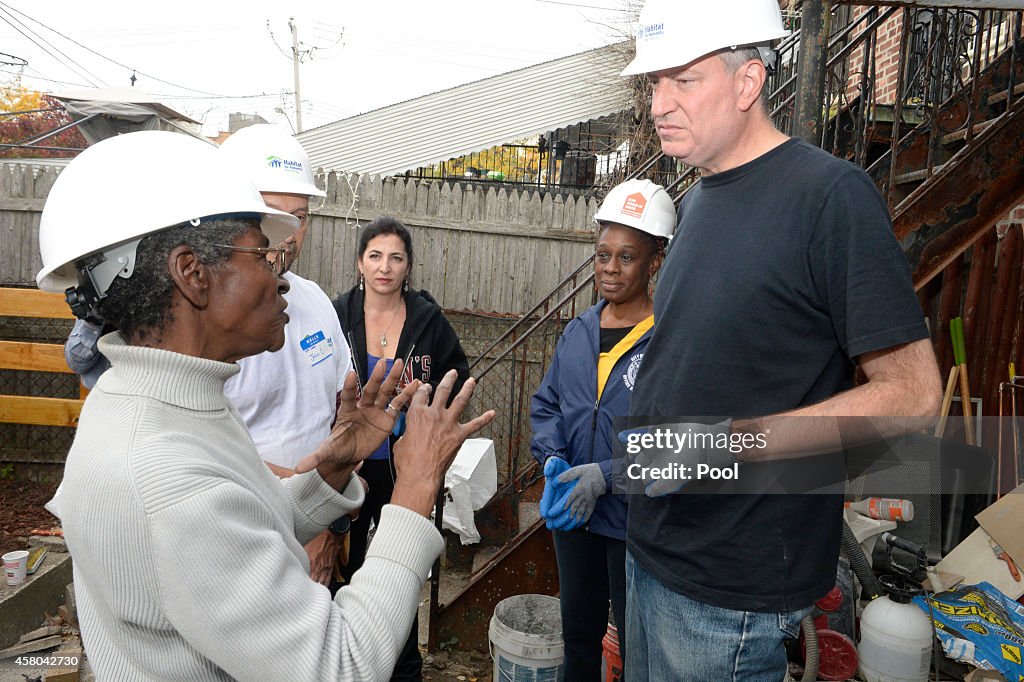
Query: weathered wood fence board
482	248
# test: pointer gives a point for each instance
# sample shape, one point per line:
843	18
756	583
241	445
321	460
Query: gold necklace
384	334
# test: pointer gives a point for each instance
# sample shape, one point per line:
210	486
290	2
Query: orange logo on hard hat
634	205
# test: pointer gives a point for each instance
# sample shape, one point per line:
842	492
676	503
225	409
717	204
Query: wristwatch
340	525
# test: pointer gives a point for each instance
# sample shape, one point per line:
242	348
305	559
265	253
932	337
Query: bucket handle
504	675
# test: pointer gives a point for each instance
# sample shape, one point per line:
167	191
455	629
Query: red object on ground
611	659
831	601
837	655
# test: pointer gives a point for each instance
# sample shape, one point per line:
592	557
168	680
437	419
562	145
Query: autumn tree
26	114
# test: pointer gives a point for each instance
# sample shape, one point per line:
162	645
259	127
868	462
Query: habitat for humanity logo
288	165
651	30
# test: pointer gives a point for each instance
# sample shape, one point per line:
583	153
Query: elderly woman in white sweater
188	553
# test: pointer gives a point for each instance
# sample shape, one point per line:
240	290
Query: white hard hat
125	187
642	205
673	33
274	160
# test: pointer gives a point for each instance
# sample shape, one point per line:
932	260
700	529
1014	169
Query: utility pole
295	68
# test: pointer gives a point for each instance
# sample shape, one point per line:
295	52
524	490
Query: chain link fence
23	443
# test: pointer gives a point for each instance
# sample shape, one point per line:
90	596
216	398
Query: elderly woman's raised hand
361	425
432	436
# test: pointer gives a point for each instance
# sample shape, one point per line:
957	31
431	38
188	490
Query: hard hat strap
94	280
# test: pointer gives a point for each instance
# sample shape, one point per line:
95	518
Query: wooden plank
974	560
33	357
26	205
33	303
19	409
39	633
29	647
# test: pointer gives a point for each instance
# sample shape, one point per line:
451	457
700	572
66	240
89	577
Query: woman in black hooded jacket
383	320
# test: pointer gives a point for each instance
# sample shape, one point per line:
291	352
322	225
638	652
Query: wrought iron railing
877	95
939	52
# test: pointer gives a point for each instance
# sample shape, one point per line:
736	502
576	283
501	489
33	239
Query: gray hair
733	59
140	305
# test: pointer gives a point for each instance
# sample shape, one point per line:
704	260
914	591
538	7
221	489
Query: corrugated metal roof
473	117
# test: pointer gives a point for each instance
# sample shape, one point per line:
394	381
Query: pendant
383	341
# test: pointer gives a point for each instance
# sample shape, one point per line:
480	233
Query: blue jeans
672	637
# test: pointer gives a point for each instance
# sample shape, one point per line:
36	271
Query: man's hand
361	424
432	436
322	552
671	455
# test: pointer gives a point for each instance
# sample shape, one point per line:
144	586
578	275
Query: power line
48	80
191	29
582	6
262	95
113	61
70	64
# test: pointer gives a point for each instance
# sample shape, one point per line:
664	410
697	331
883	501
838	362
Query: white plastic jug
895	638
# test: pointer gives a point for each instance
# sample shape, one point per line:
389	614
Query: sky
207	59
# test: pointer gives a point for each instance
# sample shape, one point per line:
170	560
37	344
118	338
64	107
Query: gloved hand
590	485
675	453
553	501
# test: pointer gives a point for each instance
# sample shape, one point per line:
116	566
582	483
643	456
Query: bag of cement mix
980	626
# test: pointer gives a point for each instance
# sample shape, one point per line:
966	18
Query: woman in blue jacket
589	383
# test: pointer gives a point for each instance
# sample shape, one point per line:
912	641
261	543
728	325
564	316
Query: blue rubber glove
552	490
564	522
590	485
553	507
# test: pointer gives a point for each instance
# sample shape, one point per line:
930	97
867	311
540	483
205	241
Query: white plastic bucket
526	639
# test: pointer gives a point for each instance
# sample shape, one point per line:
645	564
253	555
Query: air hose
810	649
870	586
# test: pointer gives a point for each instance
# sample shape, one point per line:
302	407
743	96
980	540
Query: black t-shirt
781	271
610	337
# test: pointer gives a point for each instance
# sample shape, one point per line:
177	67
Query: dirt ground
445	666
21	510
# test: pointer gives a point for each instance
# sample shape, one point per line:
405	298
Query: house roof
473	117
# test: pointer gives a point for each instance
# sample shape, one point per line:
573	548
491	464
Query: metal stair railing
850	104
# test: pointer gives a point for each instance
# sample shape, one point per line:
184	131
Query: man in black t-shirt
783	277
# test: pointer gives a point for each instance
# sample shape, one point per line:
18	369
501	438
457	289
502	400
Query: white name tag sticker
317	348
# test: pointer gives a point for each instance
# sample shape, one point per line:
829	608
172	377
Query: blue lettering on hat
286	164
651	30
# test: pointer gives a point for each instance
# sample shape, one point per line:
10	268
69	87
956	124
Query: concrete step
24	607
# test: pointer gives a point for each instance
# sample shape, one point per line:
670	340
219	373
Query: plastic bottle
884	508
895	637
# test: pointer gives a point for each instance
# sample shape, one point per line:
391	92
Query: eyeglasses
279	258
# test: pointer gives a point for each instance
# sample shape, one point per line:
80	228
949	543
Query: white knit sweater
188	557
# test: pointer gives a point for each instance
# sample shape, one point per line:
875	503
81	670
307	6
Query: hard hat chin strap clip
770	58
94	280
